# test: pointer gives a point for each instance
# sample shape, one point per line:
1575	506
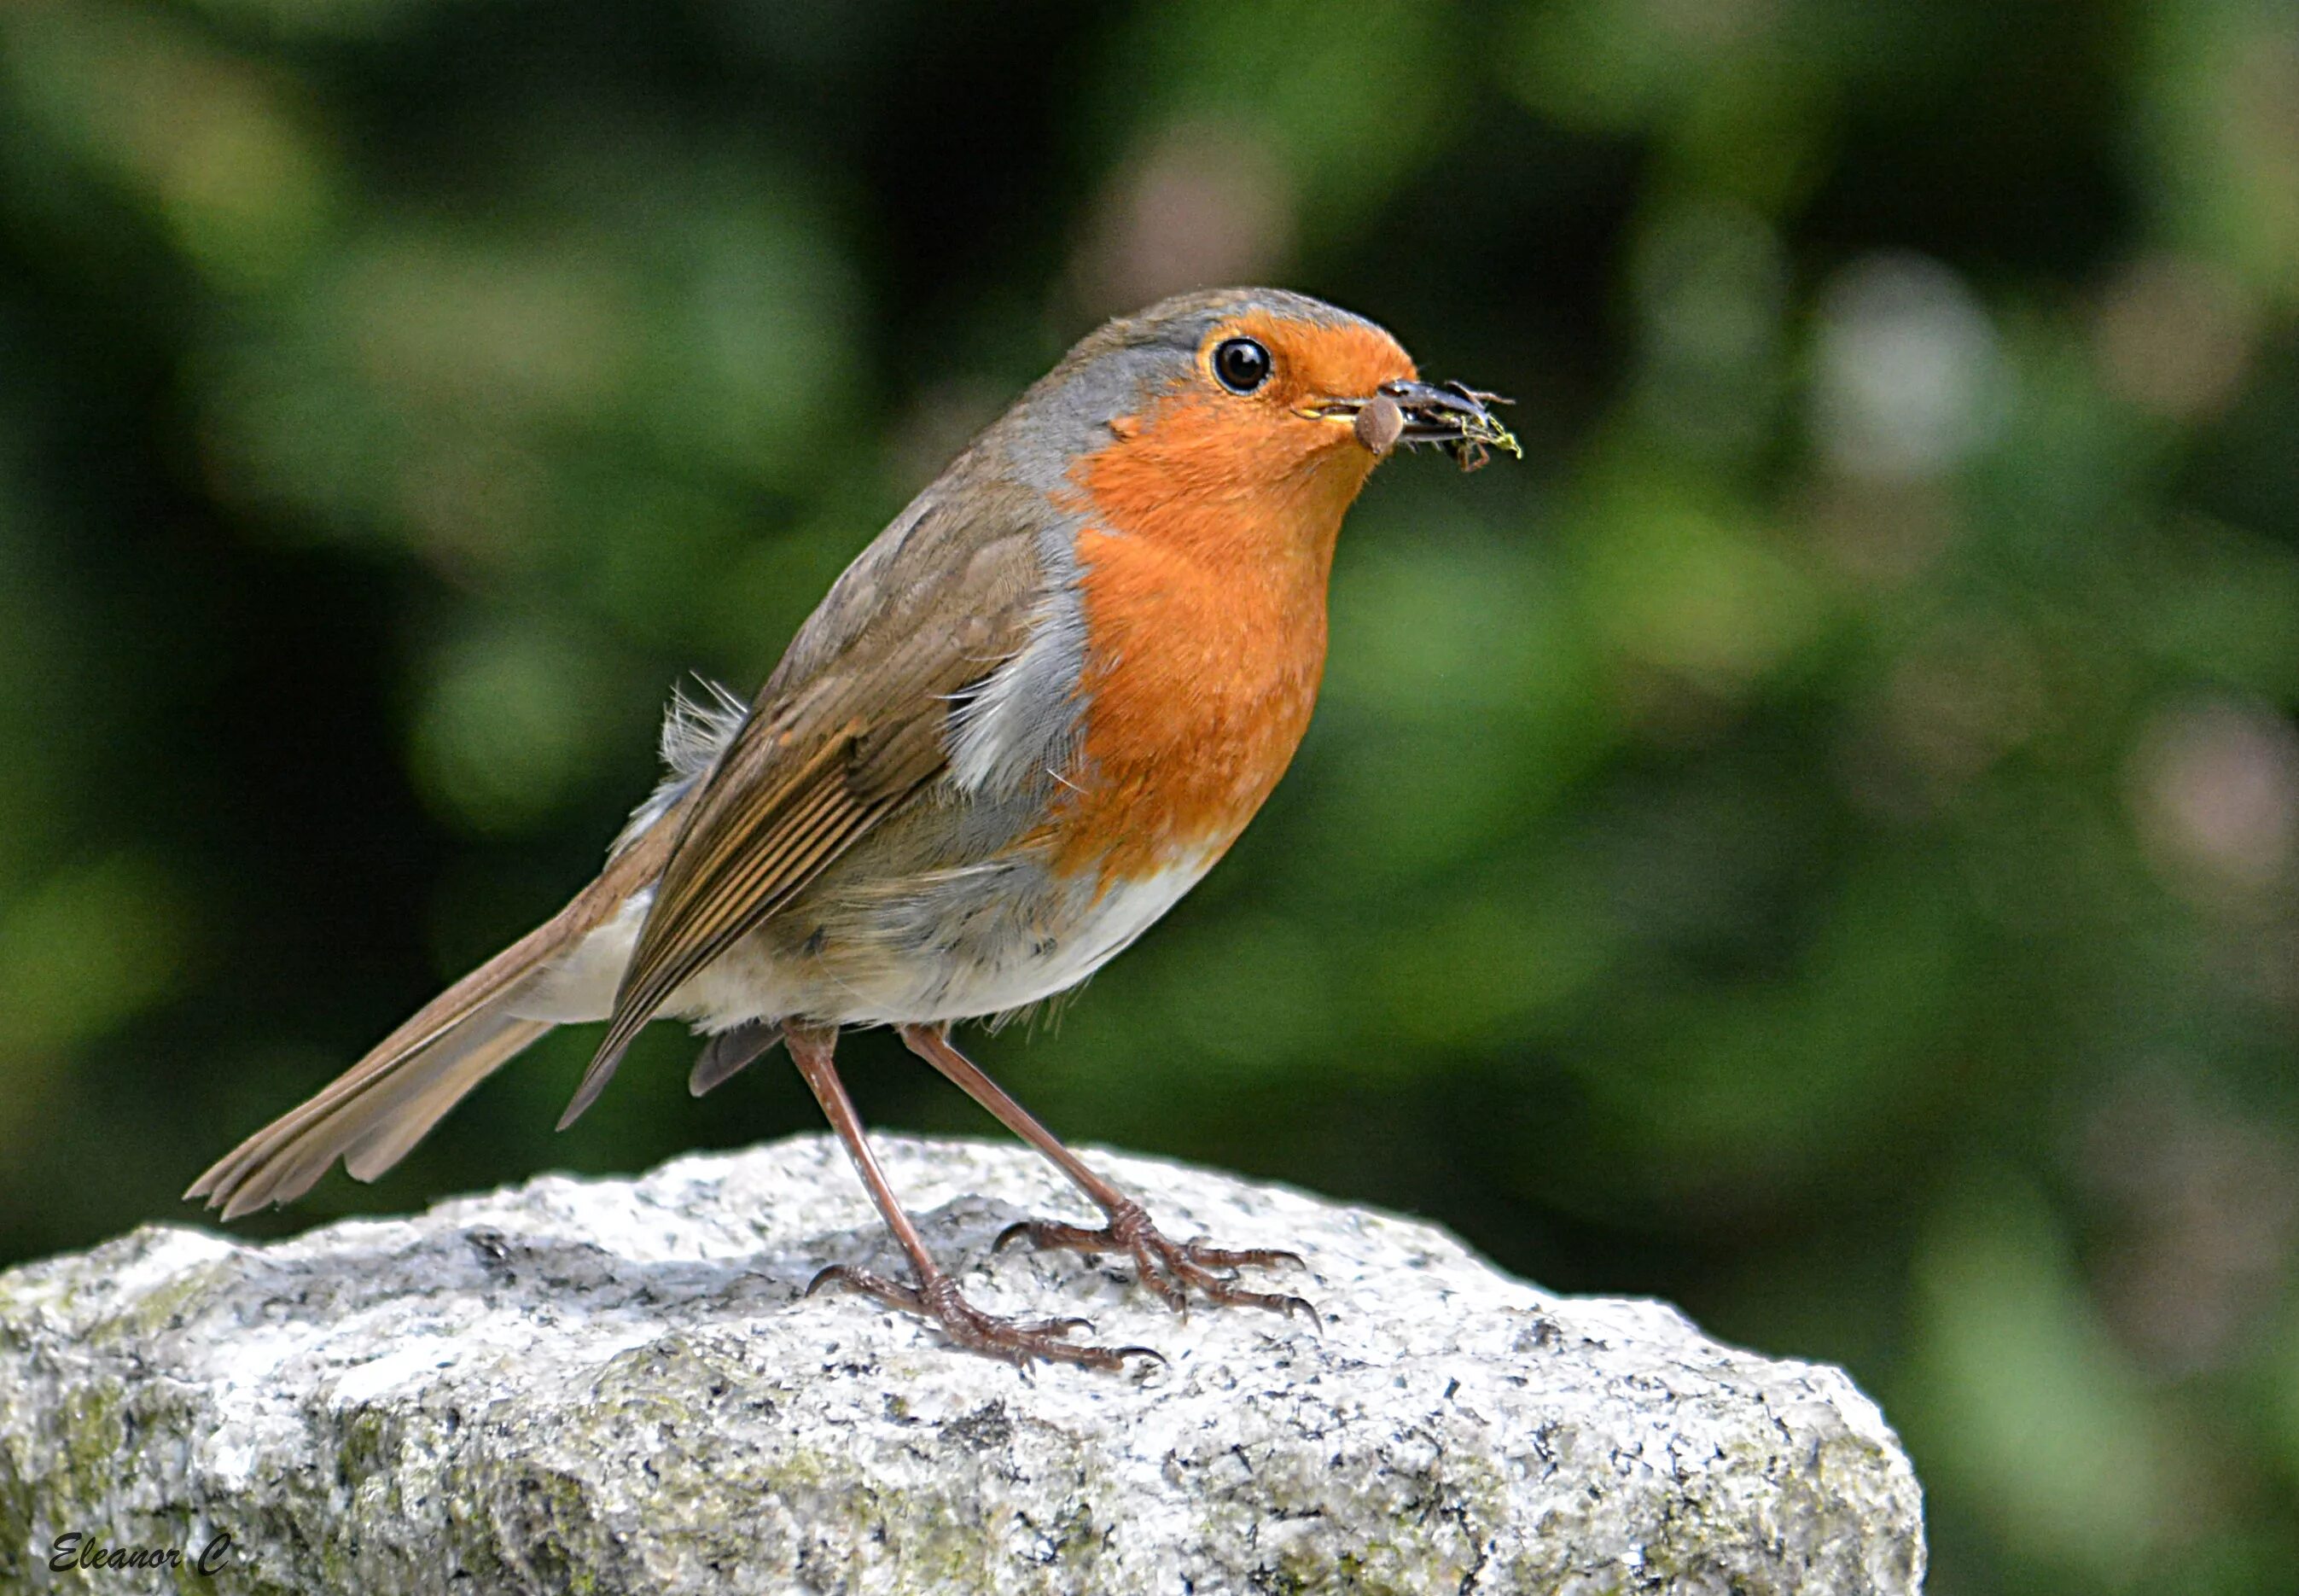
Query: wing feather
829	752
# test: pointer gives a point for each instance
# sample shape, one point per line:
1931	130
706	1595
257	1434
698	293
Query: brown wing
848	730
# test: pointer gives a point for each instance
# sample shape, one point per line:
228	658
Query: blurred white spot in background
2214	788
2173	335
1905	381
1205	204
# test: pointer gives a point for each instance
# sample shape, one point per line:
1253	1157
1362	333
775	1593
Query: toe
1201	1250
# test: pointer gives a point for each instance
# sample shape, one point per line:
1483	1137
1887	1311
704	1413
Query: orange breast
1205	618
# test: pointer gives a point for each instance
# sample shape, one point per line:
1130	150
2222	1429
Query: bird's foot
1016	1340
1172	1269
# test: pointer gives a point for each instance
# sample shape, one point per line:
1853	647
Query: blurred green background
1816	842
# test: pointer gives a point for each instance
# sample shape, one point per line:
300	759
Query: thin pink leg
935	1296
1170	1269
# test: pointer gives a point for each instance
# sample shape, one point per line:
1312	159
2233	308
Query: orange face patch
1211	522
1314	361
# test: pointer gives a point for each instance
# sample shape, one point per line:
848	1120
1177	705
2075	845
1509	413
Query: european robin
1020	726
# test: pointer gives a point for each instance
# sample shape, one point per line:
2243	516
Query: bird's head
1259	405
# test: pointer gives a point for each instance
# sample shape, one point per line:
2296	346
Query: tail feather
370	1122
375	1111
437	1087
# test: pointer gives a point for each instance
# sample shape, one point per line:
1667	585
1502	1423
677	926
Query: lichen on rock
621	1387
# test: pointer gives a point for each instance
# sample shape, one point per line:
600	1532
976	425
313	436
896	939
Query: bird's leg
935	1296
1170	1269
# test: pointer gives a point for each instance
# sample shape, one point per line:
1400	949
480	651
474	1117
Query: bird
1026	719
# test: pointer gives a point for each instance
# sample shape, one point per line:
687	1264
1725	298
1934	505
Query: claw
1286	1303
1016	1340
1005	1236
1170	1269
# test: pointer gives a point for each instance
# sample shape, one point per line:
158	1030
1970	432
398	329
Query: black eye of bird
1242	364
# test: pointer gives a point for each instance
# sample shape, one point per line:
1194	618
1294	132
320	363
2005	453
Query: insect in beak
1453	417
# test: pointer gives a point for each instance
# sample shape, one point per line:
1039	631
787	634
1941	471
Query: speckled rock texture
617	1387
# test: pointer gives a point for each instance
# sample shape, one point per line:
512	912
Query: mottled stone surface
617	1386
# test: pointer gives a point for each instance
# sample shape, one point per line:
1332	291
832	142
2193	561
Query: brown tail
375	1111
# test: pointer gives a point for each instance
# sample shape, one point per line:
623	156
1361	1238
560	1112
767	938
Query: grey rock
619	1386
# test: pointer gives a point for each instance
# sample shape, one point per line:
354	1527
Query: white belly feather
863	978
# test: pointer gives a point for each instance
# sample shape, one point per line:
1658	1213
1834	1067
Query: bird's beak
1454	417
